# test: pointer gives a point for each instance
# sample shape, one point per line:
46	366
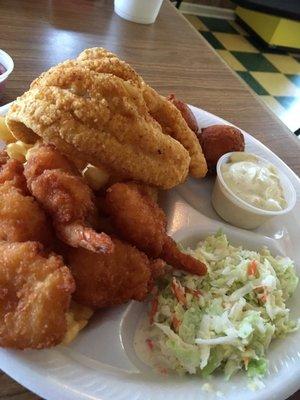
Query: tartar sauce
254	182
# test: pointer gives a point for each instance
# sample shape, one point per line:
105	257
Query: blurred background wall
214	3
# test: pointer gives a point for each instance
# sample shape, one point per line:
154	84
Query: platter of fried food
107	224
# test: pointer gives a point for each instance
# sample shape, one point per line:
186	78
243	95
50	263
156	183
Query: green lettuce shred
230	316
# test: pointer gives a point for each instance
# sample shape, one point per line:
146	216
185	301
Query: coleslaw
225	320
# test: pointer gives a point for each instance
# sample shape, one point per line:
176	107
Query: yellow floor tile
231	60
238	28
235	42
195	21
276	84
285	64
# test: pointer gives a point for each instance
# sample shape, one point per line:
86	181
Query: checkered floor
274	75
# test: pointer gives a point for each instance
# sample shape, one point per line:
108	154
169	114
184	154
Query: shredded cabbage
229	317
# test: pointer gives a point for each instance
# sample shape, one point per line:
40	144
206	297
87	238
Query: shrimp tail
78	235
172	255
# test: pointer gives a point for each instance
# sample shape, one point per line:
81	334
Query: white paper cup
140	11
239	213
8	64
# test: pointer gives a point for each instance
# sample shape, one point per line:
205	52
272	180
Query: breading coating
64	195
173	124
102	119
21	217
108	279
35	293
12	170
133	213
160	108
139	220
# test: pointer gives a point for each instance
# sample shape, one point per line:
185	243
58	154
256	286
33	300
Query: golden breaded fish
160	108
101	119
169	118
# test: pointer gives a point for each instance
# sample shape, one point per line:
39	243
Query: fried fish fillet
125	120
160	108
101	119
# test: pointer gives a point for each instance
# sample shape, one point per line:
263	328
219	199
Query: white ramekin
238	212
8	64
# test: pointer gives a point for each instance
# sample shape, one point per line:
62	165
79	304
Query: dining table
170	55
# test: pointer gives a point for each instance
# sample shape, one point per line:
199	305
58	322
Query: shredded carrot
252	268
262	293
259	289
263	297
150	344
154	291
176	323
197	293
163	370
153	311
179	292
246	361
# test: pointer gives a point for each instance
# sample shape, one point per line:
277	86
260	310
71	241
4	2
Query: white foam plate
101	363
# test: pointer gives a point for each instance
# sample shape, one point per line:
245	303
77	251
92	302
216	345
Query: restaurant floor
273	74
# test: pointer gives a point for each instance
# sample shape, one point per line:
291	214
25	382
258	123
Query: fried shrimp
108	279
35	293
143	223
21	217
69	201
12	170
